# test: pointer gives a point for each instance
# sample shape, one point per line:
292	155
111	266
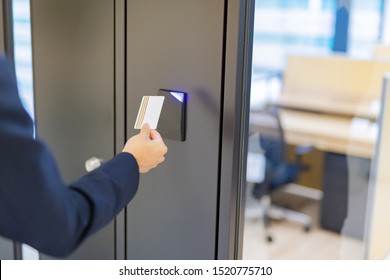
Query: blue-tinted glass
373	5
23	52
290	39
302	4
329	5
282	28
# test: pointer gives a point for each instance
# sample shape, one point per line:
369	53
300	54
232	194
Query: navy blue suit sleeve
36	207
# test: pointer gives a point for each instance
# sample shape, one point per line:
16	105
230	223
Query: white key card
149	111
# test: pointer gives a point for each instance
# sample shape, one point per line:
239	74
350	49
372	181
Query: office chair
266	135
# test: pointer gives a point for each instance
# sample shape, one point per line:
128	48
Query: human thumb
154	135
145	131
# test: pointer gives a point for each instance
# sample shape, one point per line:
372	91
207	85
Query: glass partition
318	68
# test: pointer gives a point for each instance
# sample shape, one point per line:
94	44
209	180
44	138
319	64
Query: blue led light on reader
178	95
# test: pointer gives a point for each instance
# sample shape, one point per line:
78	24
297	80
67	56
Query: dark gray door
179	45
73	57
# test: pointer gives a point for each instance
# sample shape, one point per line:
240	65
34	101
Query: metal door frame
234	131
6	28
7	46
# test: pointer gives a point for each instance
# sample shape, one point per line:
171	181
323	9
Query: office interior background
321	62
319	67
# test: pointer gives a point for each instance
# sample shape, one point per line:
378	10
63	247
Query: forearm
109	188
38	209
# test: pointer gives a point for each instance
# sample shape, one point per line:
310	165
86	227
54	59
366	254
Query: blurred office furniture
378	214
332	103
268	137
330	133
333	84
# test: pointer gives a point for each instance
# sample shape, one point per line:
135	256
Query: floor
290	241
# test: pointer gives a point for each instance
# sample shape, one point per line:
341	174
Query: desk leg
345	188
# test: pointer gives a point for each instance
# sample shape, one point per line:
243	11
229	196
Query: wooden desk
334	85
325	132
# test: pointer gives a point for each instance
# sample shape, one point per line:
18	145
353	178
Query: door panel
178	45
73	56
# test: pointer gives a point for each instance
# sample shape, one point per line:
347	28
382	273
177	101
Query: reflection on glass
318	66
365	27
23	52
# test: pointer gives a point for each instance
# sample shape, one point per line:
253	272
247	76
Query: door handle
93	163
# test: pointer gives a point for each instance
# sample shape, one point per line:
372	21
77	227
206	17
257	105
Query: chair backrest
278	171
268	132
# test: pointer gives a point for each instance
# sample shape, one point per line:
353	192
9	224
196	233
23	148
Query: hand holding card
147	147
